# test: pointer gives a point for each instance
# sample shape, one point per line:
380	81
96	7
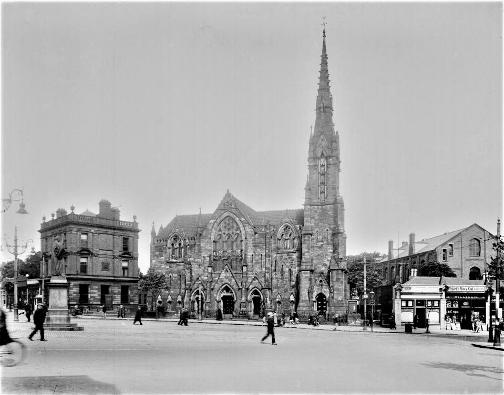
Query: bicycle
12	353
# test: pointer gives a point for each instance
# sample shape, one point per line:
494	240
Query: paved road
113	356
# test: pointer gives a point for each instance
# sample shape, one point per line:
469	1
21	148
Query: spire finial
324	23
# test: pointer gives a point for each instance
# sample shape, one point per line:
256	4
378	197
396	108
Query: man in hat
271	329
38	319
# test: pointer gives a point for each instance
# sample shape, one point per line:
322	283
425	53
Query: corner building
100	259
246	262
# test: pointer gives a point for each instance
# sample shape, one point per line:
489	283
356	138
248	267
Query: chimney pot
411	243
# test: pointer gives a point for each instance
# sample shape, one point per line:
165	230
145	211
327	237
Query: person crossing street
38	319
270	322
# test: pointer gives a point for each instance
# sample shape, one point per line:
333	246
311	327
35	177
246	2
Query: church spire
324	107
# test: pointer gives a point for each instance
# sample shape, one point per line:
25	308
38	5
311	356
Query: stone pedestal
57	315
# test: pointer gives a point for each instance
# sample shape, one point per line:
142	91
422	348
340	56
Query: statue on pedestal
59	253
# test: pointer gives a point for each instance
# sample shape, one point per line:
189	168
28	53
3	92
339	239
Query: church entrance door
227	304
321	304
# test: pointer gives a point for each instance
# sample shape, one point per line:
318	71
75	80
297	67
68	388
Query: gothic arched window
322	178
176	247
474	247
475	273
228	235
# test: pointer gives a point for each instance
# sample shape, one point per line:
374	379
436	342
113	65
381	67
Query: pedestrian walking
138	316
270	329
38	319
392	322
104	311
181	317
28	311
185	317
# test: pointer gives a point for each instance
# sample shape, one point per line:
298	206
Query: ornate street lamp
16	249
6	203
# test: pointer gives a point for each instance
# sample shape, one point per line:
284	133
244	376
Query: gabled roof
436	241
431	243
189	223
186	223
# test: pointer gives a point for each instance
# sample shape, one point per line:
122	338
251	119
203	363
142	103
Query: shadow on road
470	370
56	385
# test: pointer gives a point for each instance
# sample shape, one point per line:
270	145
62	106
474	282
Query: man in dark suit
38	319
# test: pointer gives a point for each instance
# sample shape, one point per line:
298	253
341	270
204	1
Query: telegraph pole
498	270
365	295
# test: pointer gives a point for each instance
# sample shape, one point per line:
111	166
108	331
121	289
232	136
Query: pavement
464	334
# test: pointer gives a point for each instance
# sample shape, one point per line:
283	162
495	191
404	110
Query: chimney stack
411	243
391	249
105	209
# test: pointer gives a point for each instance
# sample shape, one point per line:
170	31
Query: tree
495	267
355	265
153	282
30	267
7	269
435	269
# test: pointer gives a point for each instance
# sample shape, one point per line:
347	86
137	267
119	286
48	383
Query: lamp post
372	298
16	250
489	292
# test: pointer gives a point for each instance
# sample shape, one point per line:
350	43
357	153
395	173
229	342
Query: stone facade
245	262
100	259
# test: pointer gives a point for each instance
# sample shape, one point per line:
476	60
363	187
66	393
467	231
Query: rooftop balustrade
89	220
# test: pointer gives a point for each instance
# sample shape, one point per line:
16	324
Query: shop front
438	299
464	308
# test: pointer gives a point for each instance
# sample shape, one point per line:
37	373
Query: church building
246	262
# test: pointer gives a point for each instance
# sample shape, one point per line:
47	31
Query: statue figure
58	255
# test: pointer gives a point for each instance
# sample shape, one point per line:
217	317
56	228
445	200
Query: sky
162	107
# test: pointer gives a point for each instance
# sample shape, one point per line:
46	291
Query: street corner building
245	262
100	256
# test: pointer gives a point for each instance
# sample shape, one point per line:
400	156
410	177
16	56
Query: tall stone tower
322	273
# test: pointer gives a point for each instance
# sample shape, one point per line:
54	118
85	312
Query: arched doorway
197	302
321	301
256	299
475	273
227	298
